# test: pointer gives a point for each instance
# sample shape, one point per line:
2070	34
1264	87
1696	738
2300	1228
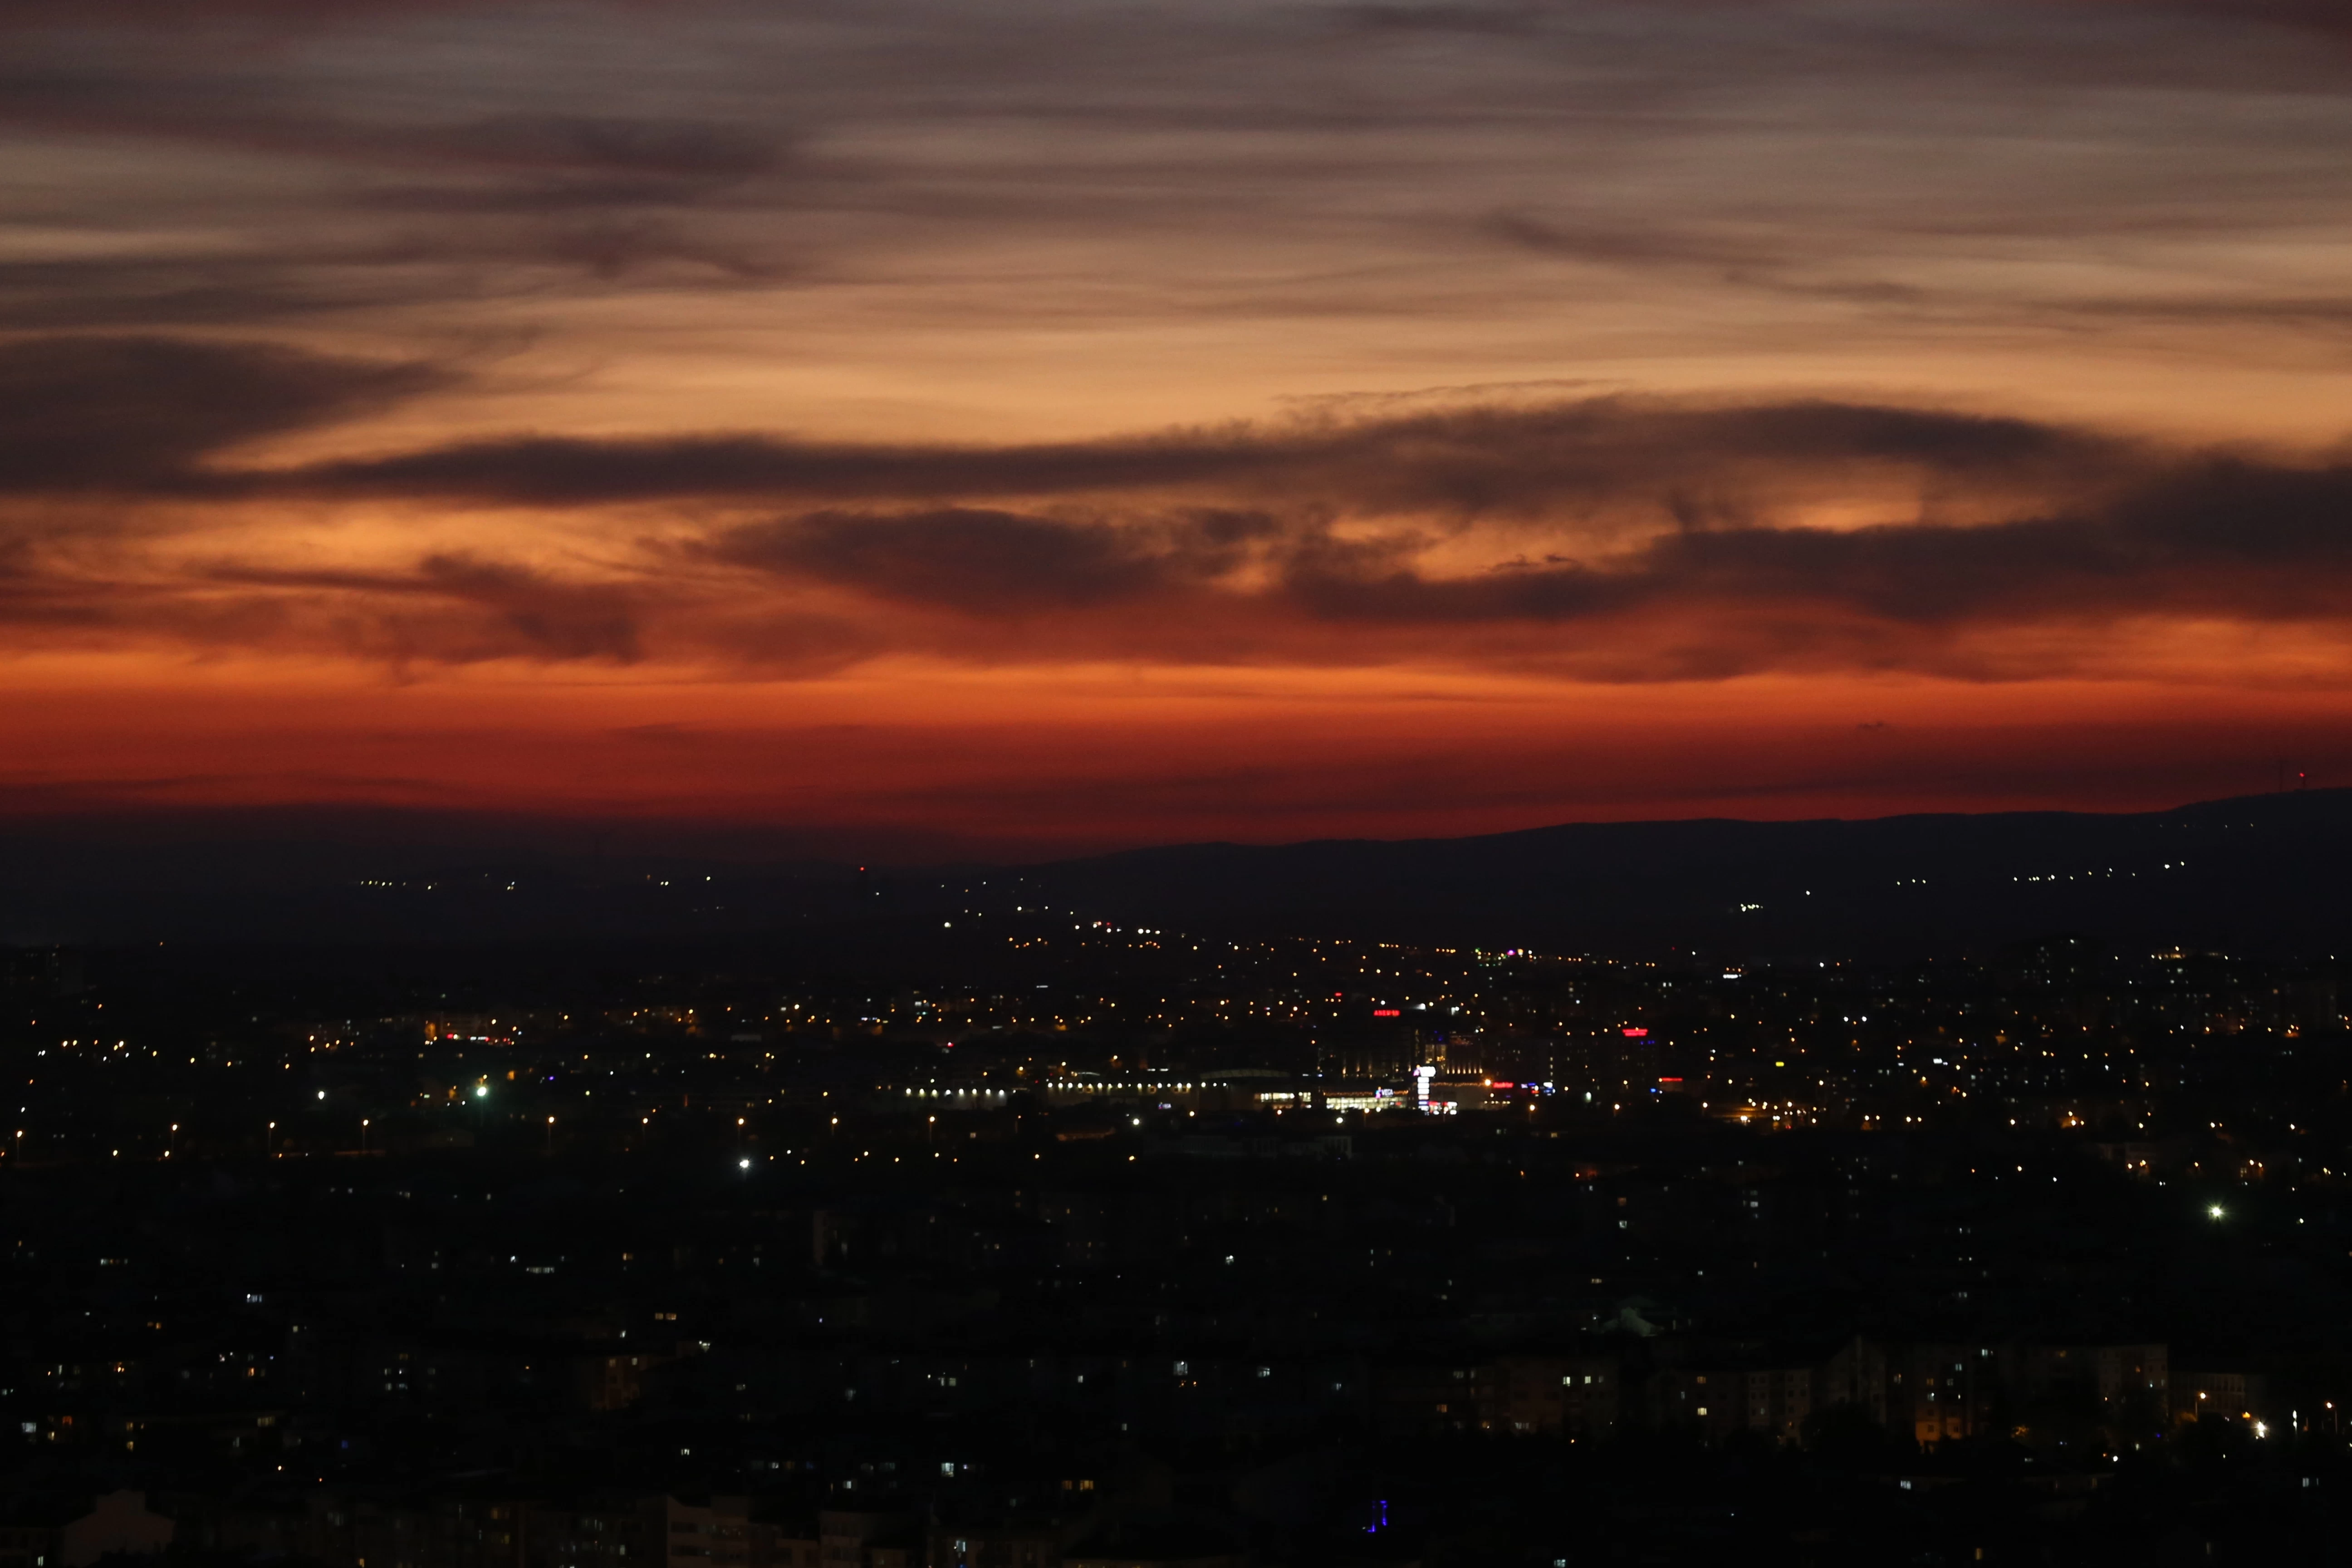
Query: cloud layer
1601	538
1574	347
142	415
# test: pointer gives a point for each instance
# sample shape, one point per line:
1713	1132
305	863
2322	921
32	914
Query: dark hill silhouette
2265	873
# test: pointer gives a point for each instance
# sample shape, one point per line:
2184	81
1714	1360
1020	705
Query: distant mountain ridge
2265	873
2271	871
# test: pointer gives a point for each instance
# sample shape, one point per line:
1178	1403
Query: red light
1670	1080
1503	1086
1388	1012
1637	1034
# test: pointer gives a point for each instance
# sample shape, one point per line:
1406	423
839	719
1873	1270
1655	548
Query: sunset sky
1049	425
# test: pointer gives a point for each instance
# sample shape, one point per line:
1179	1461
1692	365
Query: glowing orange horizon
907	761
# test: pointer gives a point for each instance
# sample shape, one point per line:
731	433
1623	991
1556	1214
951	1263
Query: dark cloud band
144	413
1491	530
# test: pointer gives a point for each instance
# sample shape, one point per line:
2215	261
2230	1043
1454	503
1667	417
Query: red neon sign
1388	1012
1637	1034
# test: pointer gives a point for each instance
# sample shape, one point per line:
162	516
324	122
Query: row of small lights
1067	1087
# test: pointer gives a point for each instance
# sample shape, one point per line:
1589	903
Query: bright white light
745	1164
481	1091
2215	1211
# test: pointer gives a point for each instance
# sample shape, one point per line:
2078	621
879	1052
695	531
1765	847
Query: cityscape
1212	1251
